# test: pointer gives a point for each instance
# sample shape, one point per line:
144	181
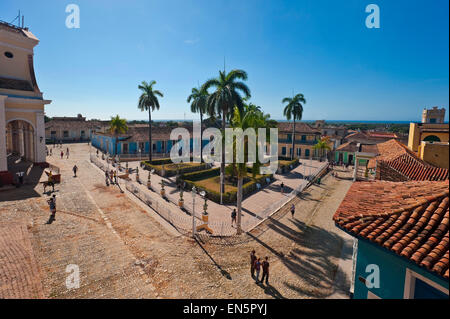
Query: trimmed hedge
284	168
168	172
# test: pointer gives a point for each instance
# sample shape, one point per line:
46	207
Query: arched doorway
20	136
432	138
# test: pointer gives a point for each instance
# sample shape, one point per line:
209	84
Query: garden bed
170	168
209	181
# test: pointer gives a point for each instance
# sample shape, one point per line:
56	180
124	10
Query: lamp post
194	192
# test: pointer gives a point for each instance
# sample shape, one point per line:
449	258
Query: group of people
110	177
256	265
50	152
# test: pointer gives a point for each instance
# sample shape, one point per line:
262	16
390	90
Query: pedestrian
292	210
67	152
252	263
233	217
111	176
20	177
51	153
107	178
257	268
62	154
282	187
318	181
75	169
52	205
265	269
115	177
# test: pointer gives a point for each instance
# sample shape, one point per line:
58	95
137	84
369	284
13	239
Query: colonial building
22	128
72	129
334	133
305	139
135	142
430	139
401	238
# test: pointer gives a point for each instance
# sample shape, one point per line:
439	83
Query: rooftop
411	219
300	127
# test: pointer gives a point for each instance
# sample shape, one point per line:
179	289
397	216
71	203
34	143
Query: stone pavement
123	251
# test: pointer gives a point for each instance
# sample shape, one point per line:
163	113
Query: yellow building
305	139
430	139
22	129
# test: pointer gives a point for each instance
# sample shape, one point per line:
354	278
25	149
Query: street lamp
221	190
194	192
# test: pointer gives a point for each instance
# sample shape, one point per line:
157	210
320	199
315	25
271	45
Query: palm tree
117	126
294	110
250	117
223	100
322	146
199	98
148	101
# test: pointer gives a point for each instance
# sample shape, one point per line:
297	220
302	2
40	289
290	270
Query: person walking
233	217
282	187
51	153
252	263
107	178
52	205
67	152
111	176
62	154
115	177
265	269
292	210
75	169
257	268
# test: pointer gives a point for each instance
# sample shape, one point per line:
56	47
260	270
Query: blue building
401	230
136	141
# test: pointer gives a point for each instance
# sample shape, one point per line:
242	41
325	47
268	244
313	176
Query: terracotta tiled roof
398	157
410	219
300	127
353	147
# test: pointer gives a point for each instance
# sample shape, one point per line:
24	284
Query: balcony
297	142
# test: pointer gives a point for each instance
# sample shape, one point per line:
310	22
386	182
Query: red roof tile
410	219
398	157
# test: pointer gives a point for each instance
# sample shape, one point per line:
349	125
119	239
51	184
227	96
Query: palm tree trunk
222	165
150	144
201	139
239	204
293	141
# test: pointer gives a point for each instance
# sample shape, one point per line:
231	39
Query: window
66	133
299	152
433	121
154	147
303	137
9	55
283	151
289	137
307	152
420	287
53	132
290	151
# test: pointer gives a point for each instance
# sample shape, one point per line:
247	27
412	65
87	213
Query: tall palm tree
250	117
322	146
117	126
148	101
199	97
223	100
294	110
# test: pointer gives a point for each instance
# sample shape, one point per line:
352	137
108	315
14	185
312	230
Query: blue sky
319	48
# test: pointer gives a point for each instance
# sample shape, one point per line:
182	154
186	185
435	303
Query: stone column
3	158
40	155
21	140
